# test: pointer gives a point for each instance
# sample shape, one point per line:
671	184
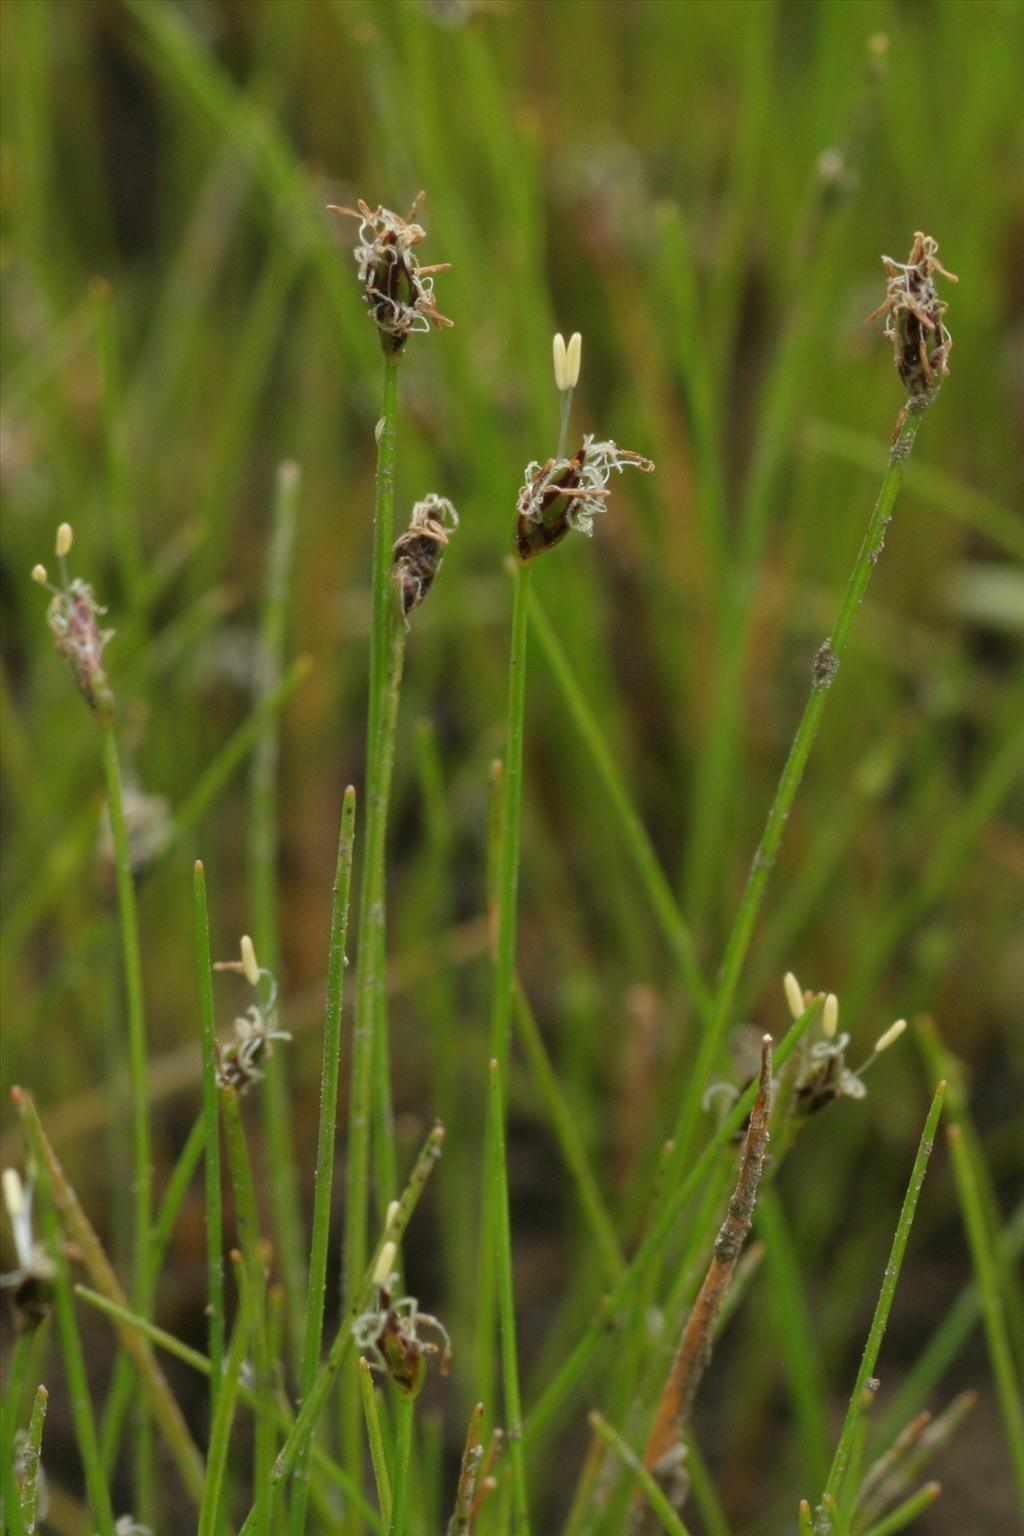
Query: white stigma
249	965
65	539
891	1035
794	994
830	1016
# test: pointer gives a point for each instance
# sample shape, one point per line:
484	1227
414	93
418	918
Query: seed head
73	617
913	319
567	494
397	291
417	554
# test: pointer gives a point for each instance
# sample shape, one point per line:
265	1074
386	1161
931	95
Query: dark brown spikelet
397	291
913	318
417	554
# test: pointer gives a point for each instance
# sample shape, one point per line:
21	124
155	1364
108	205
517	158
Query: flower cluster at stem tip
239	1062
73	617
397	291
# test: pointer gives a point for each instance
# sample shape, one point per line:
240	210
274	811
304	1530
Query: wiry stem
387	641
694	1352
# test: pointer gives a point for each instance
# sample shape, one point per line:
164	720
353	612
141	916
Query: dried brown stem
662	1456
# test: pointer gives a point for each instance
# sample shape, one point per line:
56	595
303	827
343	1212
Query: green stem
654	1496
899	1518
823	1519
558	1389
325	1147
986	1267
634	834
404	1409
286	1207
211	1138
123	1382
223	1418
197	1361
132	965
495	1224
378	1456
826	664
313	1403
33	1448
74	1364
387	638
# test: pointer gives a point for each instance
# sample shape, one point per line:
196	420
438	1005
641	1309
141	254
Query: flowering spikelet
239	1062
73	617
566	494
913	318
417	554
397	291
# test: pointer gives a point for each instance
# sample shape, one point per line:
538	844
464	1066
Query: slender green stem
227	1397
211	1139
14	1393
122	1385
142	1174
33	1448
132	964
330	1071
256	1256
374	1435
286	1207
74	1363
387	638
127	548
404	1409
826	664
316	1398
635	838
498	1178
949	1337
654	1496
621	1295
495	1224
197	1361
823	1517
80	1231
986	1268
567	1133
898	1519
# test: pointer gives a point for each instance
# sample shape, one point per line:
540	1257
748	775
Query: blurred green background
704	190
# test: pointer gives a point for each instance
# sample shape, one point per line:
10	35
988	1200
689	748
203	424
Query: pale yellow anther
385	1264
558	358
573	357
891	1035
830	1016
39	574
65	539
794	994
392	1212
249	963
14	1194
